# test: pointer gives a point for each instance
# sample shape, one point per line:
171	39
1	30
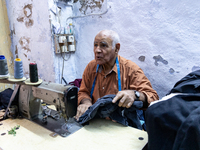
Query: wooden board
100	134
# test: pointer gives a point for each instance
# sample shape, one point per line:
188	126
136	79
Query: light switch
71	48
70	38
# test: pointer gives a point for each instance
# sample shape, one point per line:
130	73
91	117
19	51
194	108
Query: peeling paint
29	23
141	58
171	71
90	4
16	51
20	19
27	10
24	42
25	55
12	32
159	59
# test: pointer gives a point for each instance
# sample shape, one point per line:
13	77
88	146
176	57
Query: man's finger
78	114
117	97
122	101
125	104
129	105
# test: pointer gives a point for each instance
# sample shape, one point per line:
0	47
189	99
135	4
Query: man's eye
103	45
95	45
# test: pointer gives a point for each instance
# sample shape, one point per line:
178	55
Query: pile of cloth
173	122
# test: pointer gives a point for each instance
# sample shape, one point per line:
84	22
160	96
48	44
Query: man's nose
98	49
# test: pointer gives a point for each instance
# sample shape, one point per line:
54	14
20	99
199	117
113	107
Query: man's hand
126	98
82	108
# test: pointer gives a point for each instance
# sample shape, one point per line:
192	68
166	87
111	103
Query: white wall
31	36
164	32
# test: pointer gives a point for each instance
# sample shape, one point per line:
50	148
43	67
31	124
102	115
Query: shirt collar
113	69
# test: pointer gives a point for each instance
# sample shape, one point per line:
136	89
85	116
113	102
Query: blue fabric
105	108
92	90
118	74
5	98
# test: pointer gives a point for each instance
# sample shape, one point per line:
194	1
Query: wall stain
24	42
141	58
20	19
28	10
29	23
26	18
92	4
16	52
26	49
159	59
12	32
25	55
171	71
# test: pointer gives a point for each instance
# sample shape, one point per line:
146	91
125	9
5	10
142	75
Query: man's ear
117	47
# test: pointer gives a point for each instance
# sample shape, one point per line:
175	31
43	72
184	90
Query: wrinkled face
103	51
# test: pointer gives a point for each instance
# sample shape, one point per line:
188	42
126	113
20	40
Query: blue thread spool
3	65
18	69
33	72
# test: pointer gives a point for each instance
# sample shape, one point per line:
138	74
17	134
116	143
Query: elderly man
110	73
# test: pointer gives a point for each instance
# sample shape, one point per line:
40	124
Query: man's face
104	53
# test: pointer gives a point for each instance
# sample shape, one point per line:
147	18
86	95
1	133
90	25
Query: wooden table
100	134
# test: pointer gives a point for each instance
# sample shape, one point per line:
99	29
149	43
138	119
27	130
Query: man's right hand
82	108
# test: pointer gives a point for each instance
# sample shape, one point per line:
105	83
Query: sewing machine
102	133
35	104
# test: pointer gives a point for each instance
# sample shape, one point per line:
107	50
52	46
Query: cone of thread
33	72
3	65
18	69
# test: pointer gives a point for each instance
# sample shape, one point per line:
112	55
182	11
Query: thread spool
3	65
18	69
33	72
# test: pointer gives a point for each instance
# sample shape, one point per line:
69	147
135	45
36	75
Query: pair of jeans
105	108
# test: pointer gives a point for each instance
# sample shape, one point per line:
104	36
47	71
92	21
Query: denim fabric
105	108
5	98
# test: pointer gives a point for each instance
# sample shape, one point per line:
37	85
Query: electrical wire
64	64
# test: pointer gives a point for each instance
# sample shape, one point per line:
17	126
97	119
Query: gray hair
114	36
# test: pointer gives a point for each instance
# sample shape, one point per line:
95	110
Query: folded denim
105	108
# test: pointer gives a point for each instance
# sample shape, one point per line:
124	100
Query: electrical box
64	43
